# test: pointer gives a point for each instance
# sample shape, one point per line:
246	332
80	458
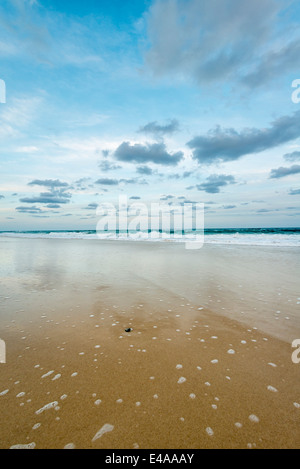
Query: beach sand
206	365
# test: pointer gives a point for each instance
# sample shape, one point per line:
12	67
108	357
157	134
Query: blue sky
175	100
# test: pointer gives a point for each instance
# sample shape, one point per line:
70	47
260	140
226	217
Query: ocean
228	236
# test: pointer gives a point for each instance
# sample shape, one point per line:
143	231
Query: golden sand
184	378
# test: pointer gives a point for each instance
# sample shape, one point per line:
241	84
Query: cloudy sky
163	100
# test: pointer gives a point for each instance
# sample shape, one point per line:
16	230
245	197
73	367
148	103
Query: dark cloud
229	207
48	183
92	206
167	197
294	192
107	182
145	170
135	198
178	176
215	182
295	156
55	197
108	166
264	210
132	181
155	129
30	210
154	153
2	197
221	145
283	172
209	41
273	63
57	193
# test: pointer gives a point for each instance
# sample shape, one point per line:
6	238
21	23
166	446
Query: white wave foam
244	239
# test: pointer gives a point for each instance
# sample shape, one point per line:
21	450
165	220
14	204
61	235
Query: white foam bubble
51	405
56	377
253	418
3	393
48	374
272	389
28	446
70	446
36	426
105	429
181	380
209	431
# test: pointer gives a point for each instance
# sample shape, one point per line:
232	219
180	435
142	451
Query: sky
169	101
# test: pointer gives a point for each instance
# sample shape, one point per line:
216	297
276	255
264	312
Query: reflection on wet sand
192	372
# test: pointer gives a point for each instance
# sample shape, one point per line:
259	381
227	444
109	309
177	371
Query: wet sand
207	364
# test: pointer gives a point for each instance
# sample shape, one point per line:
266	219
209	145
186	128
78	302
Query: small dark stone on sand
128	330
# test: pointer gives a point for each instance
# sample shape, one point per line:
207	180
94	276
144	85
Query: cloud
153	128
295	156
211	41
2	197
145	170
264	210
215	182
283	172
154	153
107	182
222	145
229	207
92	206
177	176
108	166
48	183
57	193
48	198
135	198
294	192
30	210
273	63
